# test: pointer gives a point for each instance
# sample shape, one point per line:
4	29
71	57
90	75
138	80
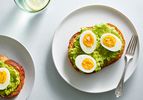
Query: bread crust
75	36
21	71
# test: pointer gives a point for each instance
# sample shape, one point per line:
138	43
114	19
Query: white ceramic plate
108	78
16	51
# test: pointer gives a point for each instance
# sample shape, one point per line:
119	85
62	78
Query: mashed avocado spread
100	54
14	80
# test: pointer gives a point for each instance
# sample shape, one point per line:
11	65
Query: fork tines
132	45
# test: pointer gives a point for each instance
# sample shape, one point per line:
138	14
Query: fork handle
119	88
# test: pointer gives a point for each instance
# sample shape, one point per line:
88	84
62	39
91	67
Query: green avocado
14	80
100	54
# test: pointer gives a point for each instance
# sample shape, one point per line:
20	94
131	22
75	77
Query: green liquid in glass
32	5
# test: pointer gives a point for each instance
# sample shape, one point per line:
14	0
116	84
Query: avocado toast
12	76
101	55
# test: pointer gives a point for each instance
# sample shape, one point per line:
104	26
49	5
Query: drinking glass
32	5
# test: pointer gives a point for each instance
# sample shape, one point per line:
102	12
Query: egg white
78	62
7	82
87	50
117	46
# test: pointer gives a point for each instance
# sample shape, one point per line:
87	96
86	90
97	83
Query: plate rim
91	5
13	39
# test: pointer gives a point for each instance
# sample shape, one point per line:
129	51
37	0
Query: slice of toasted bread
20	69
75	36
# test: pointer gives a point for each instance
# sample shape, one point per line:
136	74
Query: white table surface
35	32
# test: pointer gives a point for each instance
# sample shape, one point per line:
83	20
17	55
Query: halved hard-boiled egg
4	78
85	63
88	41
111	42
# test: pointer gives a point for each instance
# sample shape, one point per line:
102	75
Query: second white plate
16	51
108	78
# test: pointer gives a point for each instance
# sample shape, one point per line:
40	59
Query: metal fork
128	57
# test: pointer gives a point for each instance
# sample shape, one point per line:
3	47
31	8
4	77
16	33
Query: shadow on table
65	92
21	22
8	19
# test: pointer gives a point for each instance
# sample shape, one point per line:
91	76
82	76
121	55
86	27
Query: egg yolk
88	40
87	64
3	77
109	41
